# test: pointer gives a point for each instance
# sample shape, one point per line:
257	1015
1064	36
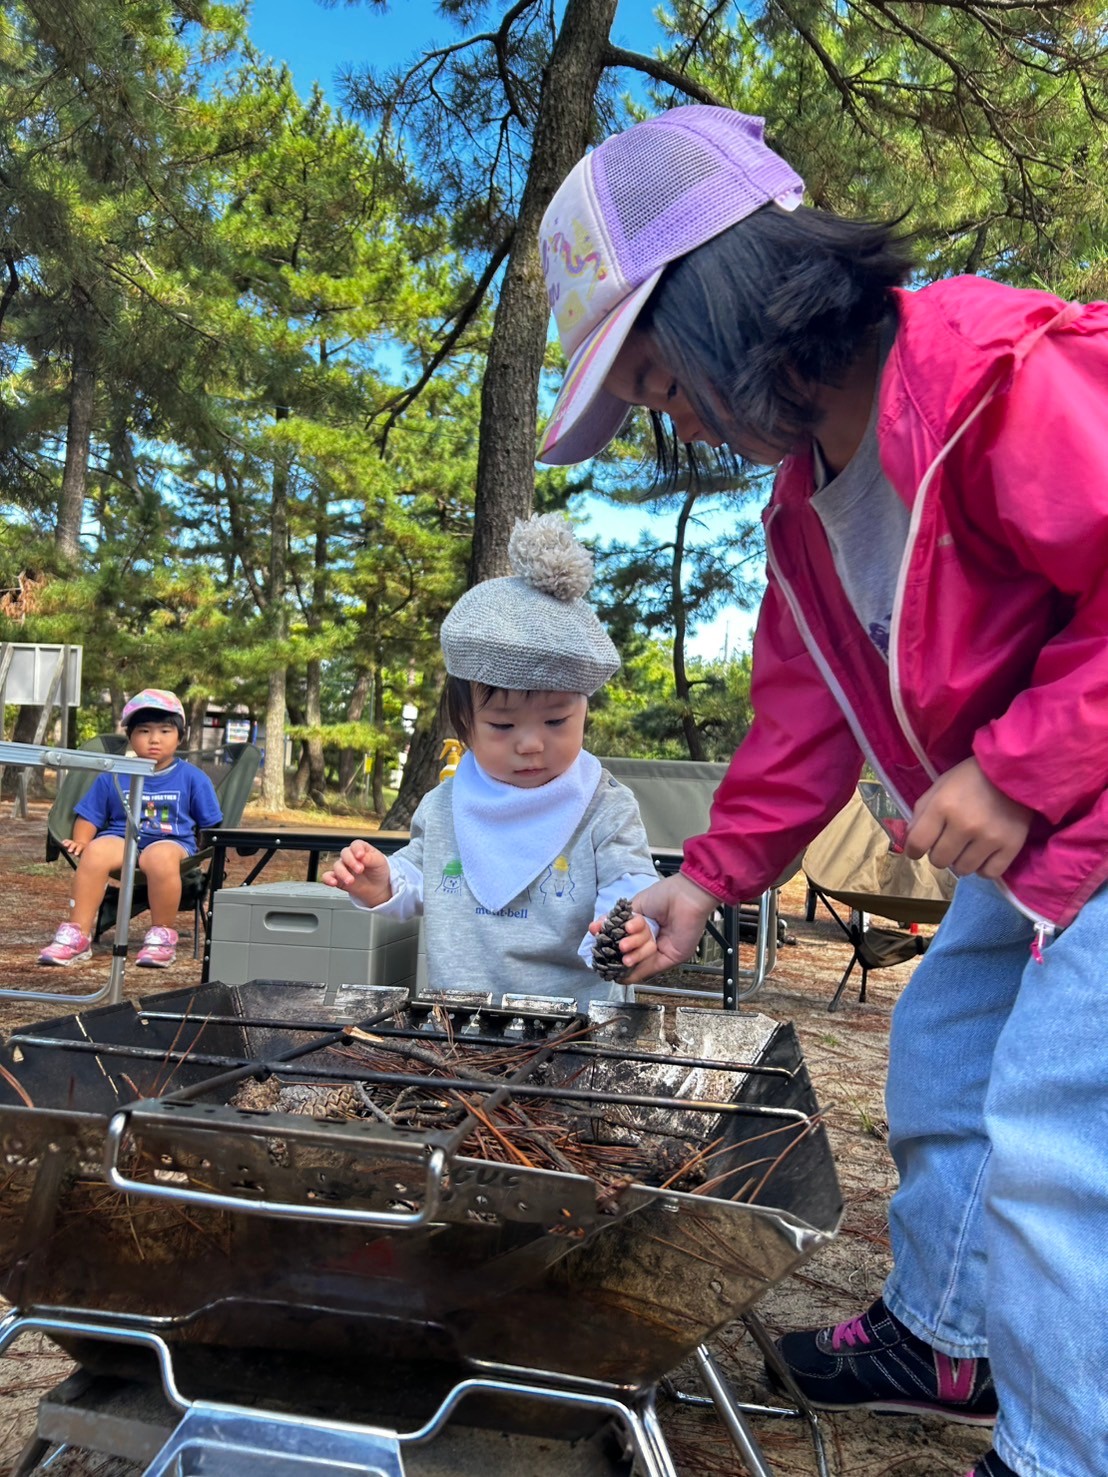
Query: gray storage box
310	932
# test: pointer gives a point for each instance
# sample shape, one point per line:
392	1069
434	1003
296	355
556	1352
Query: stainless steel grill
339	1200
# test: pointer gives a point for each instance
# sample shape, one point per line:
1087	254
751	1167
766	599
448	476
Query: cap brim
585	415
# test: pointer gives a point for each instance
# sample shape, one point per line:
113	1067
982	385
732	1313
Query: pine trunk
273	772
680	626
510	389
377	774
78	439
509	392
313	718
421	769
350	760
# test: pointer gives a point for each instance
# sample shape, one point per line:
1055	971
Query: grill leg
30	1457
733	1412
769	1352
655	1458
732	1415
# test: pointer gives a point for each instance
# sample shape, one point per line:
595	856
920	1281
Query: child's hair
461	707
754	320
154	715
465	699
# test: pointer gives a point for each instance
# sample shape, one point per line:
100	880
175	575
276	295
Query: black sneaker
990	1465
875	1363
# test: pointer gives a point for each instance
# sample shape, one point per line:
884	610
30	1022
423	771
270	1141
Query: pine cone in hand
607	961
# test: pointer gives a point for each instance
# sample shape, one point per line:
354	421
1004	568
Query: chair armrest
55	849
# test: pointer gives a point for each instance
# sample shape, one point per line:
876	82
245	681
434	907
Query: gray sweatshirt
531	946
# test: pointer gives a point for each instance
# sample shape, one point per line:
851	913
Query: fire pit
334	1200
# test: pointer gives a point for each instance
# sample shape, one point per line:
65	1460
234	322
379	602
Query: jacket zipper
825	670
1044	929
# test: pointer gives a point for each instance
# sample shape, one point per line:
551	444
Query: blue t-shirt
175	803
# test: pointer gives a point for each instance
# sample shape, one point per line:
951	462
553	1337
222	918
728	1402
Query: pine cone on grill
607	961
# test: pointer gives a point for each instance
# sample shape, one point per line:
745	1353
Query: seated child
177	799
531	841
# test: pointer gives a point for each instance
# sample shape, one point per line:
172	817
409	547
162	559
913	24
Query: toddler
531	841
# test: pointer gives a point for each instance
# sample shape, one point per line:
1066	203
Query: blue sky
319	42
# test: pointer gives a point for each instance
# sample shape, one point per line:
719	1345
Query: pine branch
636	61
462	320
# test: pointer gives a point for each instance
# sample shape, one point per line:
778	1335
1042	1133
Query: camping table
269	840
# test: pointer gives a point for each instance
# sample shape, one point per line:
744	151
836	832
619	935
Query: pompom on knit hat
531	631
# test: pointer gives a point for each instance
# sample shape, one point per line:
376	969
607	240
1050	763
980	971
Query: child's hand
638	943
363	872
74	848
681	908
965	823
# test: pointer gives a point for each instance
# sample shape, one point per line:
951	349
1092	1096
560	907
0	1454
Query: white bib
507	835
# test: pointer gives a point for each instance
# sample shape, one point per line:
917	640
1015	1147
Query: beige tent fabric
850	860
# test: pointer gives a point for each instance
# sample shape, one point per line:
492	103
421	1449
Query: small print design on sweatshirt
452	876
556	883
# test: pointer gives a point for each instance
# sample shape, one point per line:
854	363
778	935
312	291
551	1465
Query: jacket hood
957	340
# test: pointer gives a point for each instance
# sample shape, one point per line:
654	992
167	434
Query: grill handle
392	1220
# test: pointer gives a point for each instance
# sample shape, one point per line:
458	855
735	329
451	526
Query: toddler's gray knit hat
531	631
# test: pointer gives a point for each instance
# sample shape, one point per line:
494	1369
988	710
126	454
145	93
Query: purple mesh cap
640	200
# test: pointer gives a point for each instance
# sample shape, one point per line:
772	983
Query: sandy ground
846	1055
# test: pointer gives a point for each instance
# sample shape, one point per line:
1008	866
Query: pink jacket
993	428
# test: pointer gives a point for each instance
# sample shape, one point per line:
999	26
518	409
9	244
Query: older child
936	603
532	840
176	799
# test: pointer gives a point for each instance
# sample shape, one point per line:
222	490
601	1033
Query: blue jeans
998	1121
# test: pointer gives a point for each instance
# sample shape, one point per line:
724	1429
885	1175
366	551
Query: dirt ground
846	1055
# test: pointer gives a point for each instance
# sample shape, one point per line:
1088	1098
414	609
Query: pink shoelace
852	1332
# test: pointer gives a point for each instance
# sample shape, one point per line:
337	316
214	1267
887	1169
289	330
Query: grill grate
306	1172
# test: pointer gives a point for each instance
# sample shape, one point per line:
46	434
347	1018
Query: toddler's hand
965	823
681	908
74	848
363	872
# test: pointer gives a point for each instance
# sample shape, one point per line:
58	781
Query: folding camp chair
74	785
851	862
233	783
675	797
